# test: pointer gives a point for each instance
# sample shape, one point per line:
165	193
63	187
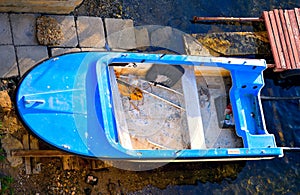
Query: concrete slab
90	32
8	63
5	32
68	28
28	56
24	29
60	51
120	33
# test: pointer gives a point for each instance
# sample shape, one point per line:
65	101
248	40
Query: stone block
90	32
60	51
28	56
142	37
8	63
5	32
120	33
24	29
68	29
167	38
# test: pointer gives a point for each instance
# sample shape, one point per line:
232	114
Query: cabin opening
161	106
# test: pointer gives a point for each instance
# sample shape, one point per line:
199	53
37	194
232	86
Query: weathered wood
275	34
287	42
35	162
39	153
71	162
297	13
26	146
283	31
295	30
271	37
288	15
98	164
282	39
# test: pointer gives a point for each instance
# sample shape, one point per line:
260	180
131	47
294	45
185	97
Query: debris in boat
137	93
229	120
132	92
164	75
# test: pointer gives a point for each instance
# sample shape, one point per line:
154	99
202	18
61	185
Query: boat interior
160	106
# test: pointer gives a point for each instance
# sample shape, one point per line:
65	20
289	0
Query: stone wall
39	6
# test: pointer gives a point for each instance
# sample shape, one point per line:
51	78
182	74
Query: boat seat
192	106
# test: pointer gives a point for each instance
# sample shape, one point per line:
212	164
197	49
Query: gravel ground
100	8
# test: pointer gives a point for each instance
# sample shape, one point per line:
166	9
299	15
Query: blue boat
148	107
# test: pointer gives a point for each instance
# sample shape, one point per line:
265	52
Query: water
178	13
278	176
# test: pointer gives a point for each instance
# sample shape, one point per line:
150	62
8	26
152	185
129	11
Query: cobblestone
24	29
28	56
90	32
8	61
5	32
120	33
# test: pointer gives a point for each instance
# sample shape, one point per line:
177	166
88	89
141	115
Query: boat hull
66	101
